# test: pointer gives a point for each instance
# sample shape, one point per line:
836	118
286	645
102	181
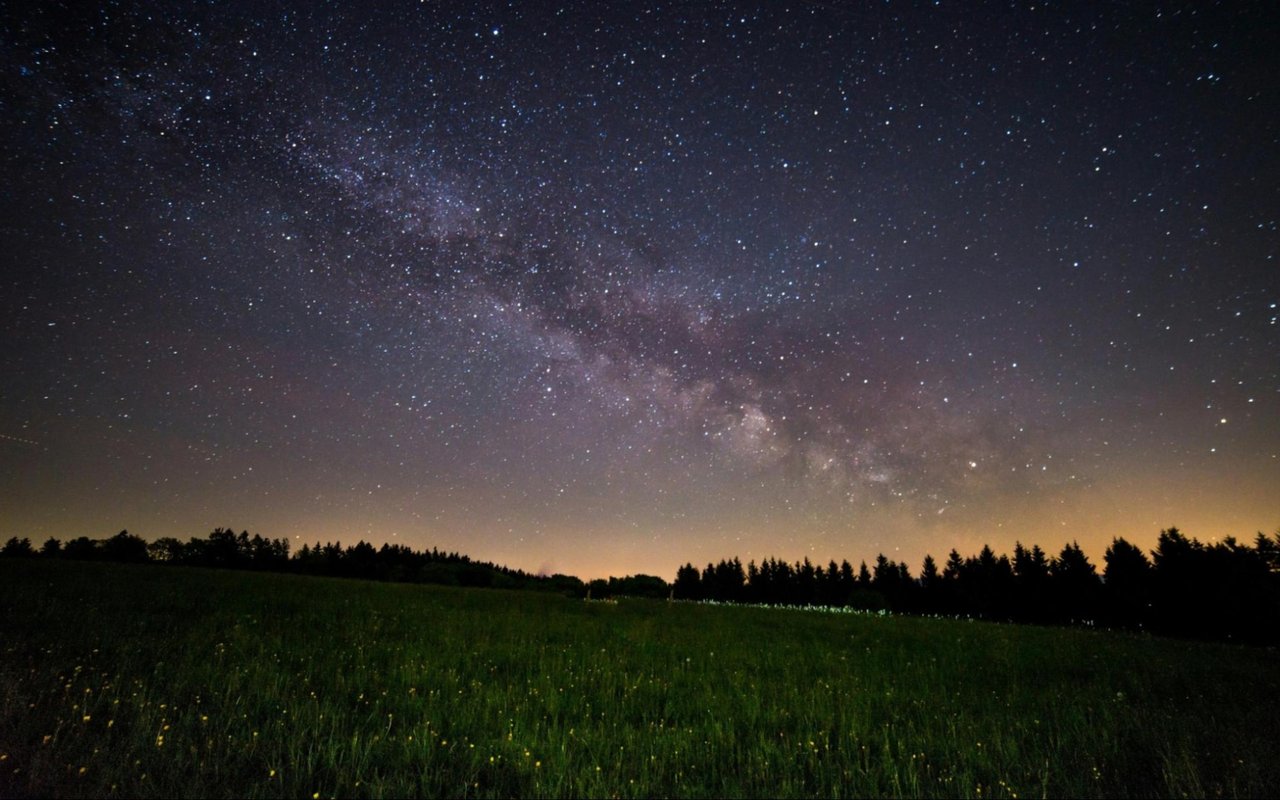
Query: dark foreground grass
167	682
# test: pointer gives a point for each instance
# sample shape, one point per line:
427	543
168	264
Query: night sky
604	288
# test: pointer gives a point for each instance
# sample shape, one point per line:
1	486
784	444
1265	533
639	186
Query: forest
1222	590
225	549
1225	590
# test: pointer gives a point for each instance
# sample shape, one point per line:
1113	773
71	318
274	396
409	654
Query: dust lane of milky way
603	288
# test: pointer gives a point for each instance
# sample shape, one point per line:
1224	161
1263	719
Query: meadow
153	681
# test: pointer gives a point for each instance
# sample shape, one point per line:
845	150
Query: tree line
1221	590
1184	587
223	548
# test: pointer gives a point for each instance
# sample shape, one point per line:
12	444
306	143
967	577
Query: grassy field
167	682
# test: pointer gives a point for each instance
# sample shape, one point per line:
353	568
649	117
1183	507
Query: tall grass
165	682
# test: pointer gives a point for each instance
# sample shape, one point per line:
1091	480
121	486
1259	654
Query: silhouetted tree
1031	583
167	549
269	554
848	582
724	581
892	582
1268	551
1075	586
124	546
829	593
81	547
222	549
17	548
806	583
361	561
1237	577
751	591
1180	604
597	589
950	597
1127	585
987	584
930	586
650	586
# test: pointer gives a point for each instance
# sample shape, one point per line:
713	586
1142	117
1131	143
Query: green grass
166	682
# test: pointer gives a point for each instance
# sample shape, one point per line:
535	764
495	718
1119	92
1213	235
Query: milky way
603	288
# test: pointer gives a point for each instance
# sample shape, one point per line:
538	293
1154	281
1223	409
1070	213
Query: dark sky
602	288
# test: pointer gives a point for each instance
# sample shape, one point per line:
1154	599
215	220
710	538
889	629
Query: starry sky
601	288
